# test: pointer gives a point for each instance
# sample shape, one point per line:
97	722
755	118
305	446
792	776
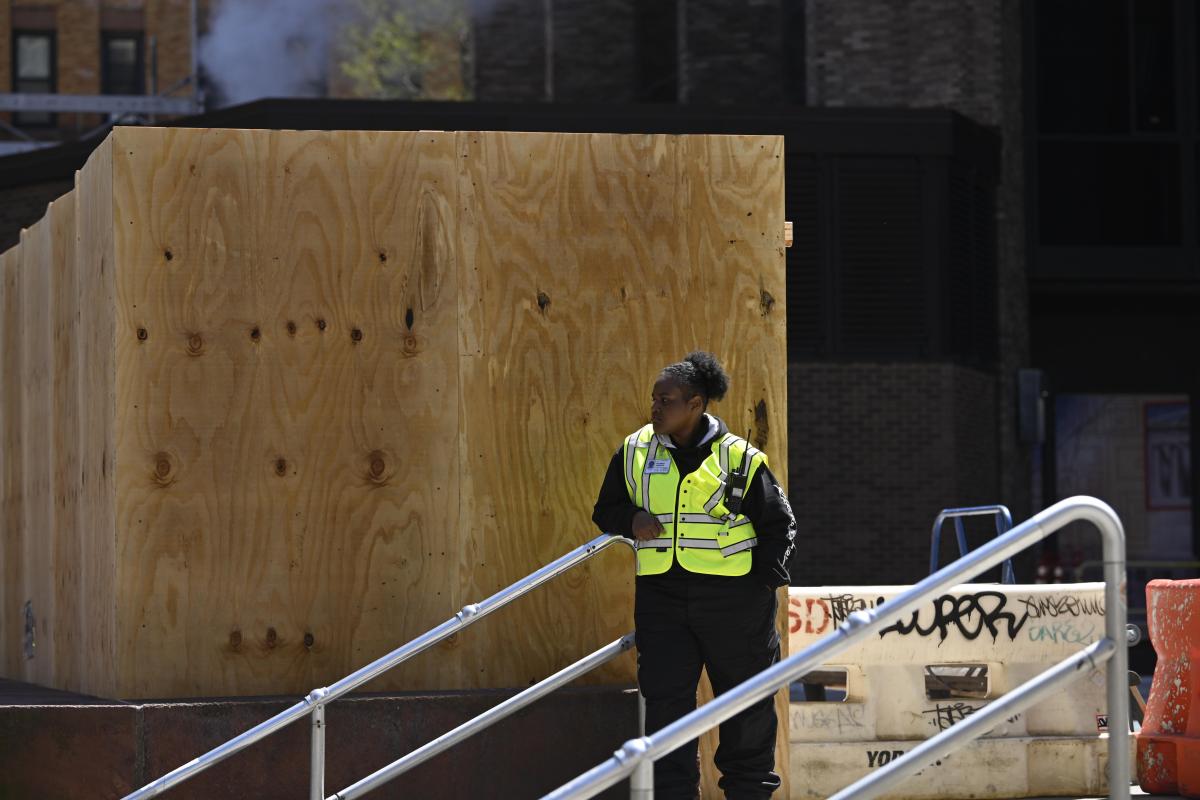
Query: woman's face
670	413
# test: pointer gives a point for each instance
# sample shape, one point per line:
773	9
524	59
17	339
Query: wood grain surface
37	525
331	387
592	262
64	445
287	426
11	456
95	271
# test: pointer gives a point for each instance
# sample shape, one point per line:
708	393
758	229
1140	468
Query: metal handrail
314	703
1003	525
487	718
1112	648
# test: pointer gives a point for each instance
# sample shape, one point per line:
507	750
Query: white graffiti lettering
829	717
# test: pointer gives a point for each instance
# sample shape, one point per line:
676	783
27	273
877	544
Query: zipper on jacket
675	519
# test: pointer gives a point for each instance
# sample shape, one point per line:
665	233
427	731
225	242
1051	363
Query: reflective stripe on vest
699	530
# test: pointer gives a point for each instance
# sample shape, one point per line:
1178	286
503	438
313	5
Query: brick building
88	47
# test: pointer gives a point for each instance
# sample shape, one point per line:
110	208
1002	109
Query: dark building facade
1019	336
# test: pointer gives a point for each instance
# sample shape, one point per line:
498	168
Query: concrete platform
65	746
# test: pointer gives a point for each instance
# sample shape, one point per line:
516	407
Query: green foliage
406	49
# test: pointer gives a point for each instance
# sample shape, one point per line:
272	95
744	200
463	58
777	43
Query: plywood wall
287	449
300	396
63	444
96	532
592	263
11	456
37	524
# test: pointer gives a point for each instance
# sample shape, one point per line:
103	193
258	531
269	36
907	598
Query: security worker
715	536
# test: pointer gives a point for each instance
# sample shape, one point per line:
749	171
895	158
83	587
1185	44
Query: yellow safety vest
699	530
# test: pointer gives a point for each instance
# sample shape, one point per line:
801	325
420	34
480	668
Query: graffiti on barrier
943	716
877	758
1063	633
827	718
970	614
1065	605
821	614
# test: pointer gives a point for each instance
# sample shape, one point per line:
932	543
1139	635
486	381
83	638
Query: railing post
641	782
316	789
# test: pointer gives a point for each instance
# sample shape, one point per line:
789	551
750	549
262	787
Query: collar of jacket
715	428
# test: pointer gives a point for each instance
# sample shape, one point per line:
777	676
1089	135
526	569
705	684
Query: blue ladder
1003	524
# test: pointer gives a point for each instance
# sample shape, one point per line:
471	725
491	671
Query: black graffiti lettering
842	606
971	614
943	716
877	758
1093	606
1061	606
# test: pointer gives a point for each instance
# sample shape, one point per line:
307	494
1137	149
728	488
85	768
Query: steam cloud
282	48
268	48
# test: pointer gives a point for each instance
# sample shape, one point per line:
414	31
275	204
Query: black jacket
765	504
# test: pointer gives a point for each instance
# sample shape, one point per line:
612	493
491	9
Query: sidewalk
1134	792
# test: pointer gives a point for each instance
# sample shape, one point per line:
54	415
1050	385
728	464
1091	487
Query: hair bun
710	373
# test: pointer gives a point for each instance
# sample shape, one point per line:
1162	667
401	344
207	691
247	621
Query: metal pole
1115	618
976	725
865	622
316	789
641	782
487	718
470	614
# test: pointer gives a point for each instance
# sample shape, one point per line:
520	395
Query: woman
715	535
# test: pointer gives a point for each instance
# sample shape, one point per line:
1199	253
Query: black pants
726	625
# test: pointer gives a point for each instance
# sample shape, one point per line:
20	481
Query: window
1113	134
33	71
122	67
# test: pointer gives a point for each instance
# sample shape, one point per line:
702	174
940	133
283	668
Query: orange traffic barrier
1168	747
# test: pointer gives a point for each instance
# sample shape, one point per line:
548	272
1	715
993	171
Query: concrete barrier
938	666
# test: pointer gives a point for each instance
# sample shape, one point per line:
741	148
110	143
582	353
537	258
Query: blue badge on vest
658	466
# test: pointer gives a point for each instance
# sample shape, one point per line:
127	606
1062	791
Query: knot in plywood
163	470
195	344
377	468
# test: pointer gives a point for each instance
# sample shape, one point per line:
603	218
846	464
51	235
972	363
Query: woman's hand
646	526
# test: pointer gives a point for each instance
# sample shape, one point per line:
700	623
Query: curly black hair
700	374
